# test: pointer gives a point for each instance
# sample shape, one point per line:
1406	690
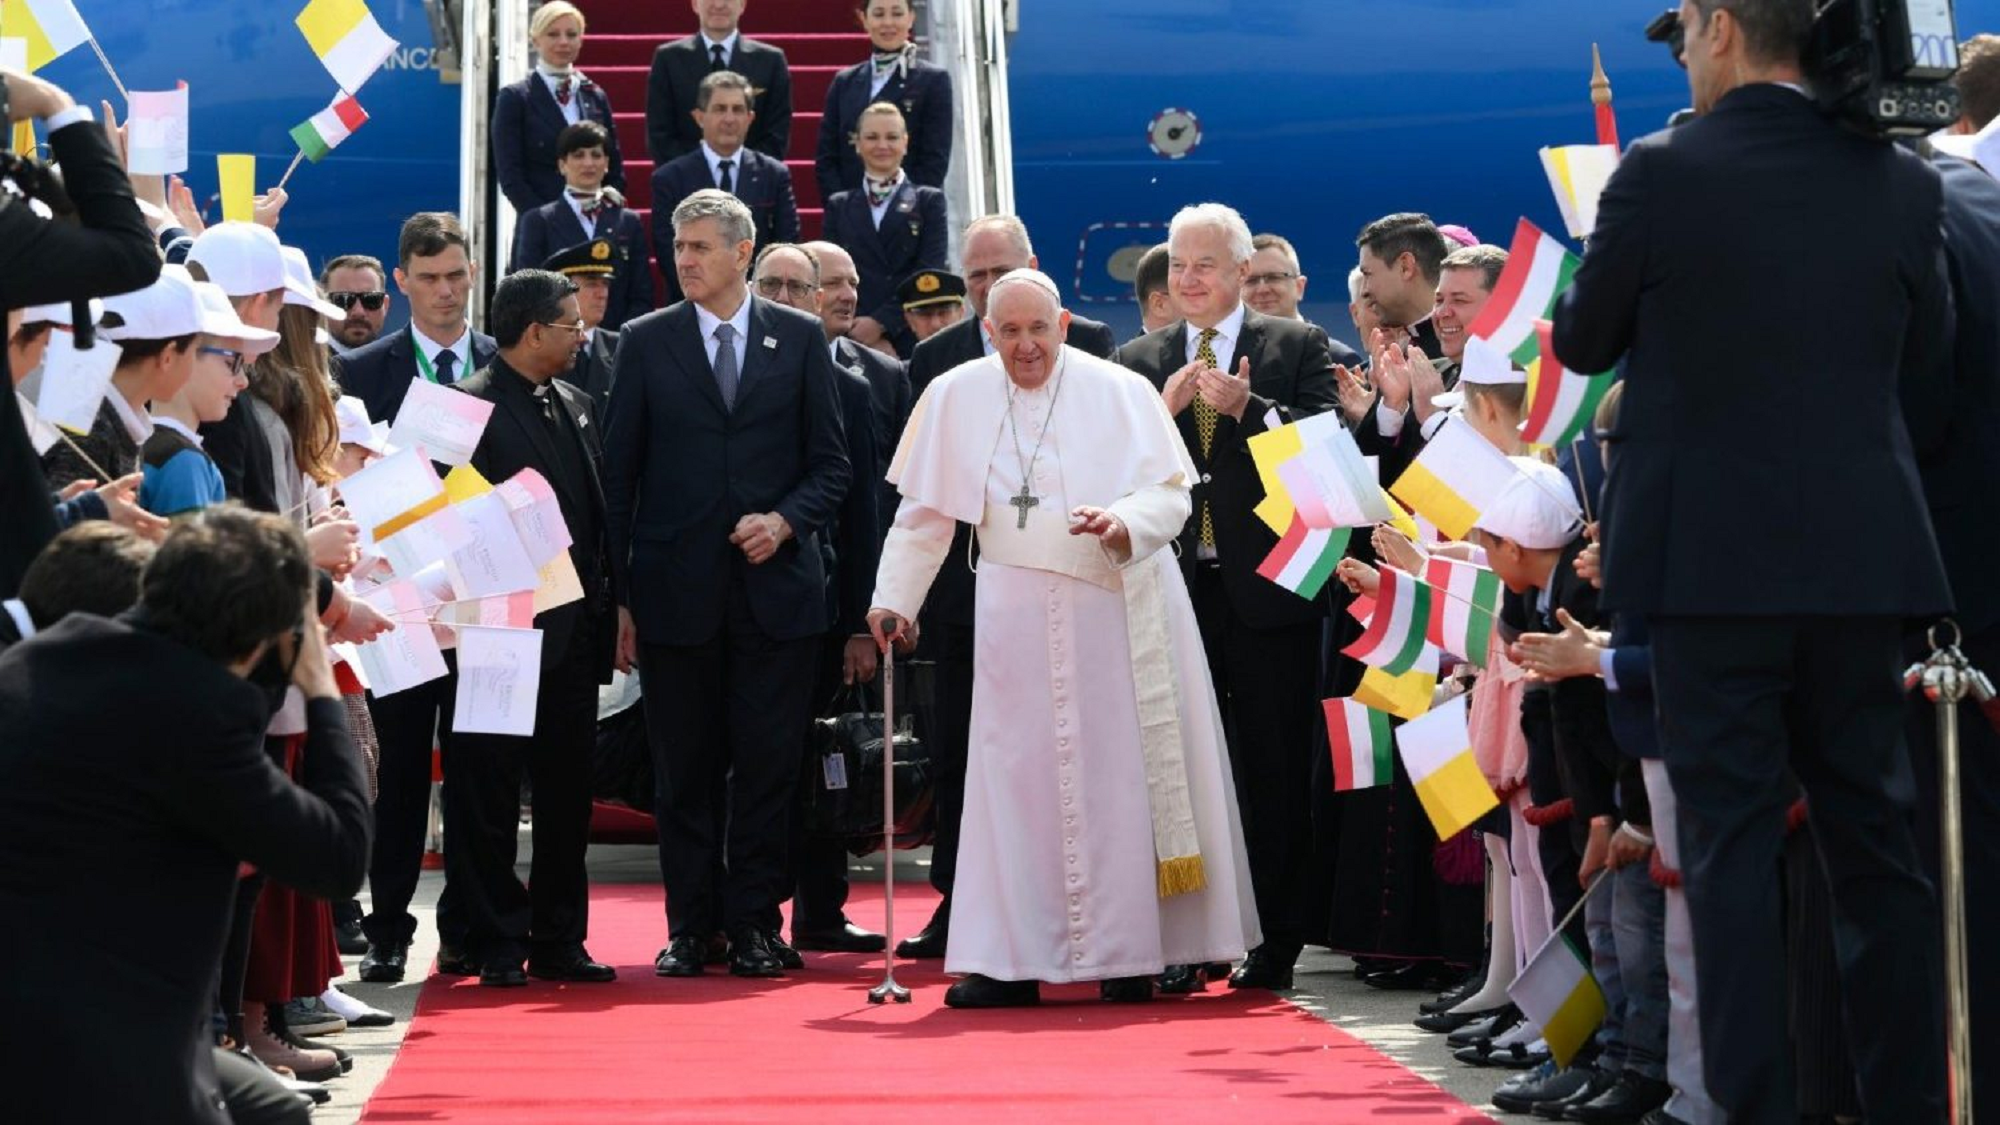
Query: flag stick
1576	466
1587	892
1600	99
292	167
109	69
102	476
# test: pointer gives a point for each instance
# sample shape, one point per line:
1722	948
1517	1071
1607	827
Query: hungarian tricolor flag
1361	742
323	131
1394	638
1465	601
1538	270
1304	559
1561	403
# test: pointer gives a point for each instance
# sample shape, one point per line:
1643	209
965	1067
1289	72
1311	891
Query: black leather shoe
1265	967
1451	997
1441	1022
1416	976
574	965
1662	1117
1631	1097
1482	1030
977	991
349	938
750	954
927	945
1182	980
1558	1108
1126	990
502	974
849	938
1520	1093
683	957
787	955
454	963
385	961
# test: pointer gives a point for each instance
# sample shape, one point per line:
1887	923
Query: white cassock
1062	845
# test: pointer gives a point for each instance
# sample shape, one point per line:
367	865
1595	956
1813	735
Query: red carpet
811	1049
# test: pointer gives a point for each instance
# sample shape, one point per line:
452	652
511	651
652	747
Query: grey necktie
726	373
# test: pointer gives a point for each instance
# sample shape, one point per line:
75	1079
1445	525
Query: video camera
1883	67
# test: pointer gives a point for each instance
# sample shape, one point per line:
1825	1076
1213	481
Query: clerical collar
521	382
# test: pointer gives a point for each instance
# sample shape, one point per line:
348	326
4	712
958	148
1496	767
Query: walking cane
1947	678
892	628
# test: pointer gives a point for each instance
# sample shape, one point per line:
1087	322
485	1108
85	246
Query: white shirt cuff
1607	669
69	116
1388	422
1432	424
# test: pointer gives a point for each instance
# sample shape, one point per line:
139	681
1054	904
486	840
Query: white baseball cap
168	308
218	318
356	429
1484	363
302	289
59	313
244	258
1537	509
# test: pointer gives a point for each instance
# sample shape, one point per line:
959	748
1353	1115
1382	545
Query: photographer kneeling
133	778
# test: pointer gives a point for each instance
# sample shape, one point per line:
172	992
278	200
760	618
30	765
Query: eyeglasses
1257	279
579	327
371	301
772	286
234	357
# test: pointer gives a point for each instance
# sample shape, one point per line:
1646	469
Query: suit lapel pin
770	341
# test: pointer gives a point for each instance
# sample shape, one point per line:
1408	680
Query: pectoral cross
1022	501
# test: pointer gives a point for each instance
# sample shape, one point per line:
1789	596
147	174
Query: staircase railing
969	39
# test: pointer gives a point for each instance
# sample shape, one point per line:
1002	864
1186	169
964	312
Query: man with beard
358	284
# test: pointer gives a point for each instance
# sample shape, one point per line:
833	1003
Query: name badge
834	770
770	341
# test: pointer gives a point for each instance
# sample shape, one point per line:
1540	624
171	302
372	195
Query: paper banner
499	677
389	488
407	655
238	173
537	515
156	131
495	562
445	422
74	383
464	482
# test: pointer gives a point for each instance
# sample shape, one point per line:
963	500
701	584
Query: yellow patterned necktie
1204	428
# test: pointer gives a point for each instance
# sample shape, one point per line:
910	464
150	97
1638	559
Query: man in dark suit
586	211
679	67
725	458
888	377
721	160
993	246
543	424
1228	373
789	275
438	345
1402	257
593	266
1769	436
1959	473
149	804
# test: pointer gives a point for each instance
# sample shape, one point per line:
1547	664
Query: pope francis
1100	838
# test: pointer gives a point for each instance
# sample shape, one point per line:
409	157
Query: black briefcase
843	774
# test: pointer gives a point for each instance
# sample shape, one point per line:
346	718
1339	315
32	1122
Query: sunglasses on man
345	299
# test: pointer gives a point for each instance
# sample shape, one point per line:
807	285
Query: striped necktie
1205	419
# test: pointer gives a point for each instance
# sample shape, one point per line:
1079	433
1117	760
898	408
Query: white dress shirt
1224	344
740	320
715	160
460	348
588	224
728	46
877	210
573	112
139	426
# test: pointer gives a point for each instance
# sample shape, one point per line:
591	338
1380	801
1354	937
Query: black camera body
1883	67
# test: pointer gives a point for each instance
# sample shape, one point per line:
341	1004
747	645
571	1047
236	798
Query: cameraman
1771	279
106	250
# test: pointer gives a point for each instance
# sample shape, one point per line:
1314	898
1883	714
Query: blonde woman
528	115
